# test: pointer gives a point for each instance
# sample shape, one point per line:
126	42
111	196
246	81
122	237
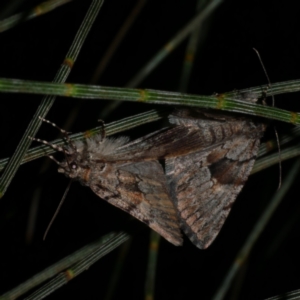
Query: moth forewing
137	187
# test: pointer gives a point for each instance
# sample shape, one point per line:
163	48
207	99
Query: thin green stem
152	264
70	266
173	43
273	159
226	101
39	10
283	139
190	51
124	29
293	295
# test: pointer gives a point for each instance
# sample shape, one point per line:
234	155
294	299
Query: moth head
75	165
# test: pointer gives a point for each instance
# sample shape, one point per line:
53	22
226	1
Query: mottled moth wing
205	183
140	189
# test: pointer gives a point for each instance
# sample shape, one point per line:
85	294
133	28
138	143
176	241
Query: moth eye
73	166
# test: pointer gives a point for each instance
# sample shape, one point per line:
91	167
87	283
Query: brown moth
208	158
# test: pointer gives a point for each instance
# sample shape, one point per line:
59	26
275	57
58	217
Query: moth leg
56	161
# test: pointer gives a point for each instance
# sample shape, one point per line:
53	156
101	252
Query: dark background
225	61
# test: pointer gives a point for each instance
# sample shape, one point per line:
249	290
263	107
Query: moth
208	157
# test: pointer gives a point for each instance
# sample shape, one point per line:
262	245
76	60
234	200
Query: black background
225	61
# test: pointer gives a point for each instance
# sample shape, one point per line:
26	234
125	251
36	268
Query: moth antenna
57	210
276	133
57	148
279	157
64	132
266	74
103	131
